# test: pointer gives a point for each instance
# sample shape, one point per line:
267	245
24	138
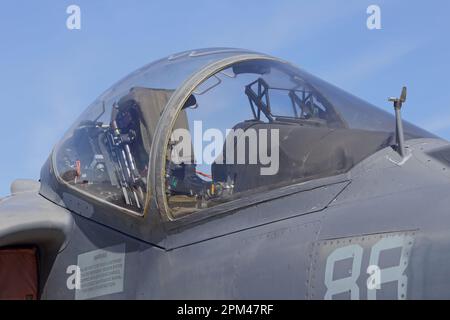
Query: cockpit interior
321	131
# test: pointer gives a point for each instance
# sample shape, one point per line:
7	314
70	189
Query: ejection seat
140	111
305	153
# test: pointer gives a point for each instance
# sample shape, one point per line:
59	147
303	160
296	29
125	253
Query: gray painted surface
269	250
310	241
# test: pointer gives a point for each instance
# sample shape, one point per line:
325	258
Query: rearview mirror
403	95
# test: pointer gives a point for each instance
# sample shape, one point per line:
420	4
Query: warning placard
102	272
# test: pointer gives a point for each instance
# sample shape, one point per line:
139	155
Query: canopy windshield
259	125
106	152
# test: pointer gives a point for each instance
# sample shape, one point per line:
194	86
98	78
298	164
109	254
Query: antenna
398	102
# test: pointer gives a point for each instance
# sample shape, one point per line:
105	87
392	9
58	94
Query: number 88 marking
355	252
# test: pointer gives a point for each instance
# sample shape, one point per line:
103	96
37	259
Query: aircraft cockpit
203	128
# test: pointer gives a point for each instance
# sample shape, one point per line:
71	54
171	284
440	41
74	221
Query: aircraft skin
378	231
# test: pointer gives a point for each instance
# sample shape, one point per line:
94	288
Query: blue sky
49	74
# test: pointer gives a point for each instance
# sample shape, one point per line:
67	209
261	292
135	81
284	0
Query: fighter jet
230	174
